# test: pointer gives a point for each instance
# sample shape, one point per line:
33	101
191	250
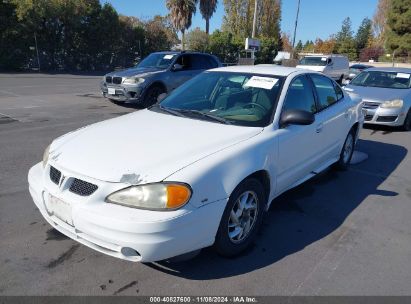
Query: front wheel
346	152
151	96
407	122
241	219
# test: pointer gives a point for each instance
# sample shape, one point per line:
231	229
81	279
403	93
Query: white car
199	168
334	66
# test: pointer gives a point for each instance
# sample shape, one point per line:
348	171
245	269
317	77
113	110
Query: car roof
359	65
180	52
390	69
267	69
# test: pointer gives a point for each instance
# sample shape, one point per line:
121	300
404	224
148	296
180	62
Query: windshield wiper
215	118
168	110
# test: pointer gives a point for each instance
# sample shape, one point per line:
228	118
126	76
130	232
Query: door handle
346	114
319	128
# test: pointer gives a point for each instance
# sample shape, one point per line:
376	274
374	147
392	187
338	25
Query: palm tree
181	13
207	9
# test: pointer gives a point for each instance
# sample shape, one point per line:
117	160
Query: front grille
370	105
82	188
109	79
117	80
368	117
55	175
386	118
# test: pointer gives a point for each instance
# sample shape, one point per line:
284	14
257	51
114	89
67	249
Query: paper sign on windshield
168	56
403	75
261	82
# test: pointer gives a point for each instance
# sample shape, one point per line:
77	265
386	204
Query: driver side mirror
177	67
296	117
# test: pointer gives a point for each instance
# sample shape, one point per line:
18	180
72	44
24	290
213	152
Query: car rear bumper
129	233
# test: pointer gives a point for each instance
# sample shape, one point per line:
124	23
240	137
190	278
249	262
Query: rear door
332	119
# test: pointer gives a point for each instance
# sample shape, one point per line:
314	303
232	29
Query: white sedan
199	168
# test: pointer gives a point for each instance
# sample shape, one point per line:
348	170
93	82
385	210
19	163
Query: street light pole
37	50
296	22
254	25
255	17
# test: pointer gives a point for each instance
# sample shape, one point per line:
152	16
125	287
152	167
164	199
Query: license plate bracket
60	209
111	91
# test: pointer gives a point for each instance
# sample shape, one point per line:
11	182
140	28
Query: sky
318	18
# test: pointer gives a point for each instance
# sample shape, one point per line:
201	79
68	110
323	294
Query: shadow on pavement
301	216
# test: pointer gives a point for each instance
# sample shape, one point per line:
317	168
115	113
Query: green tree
345	43
364	34
197	40
225	45
238	18
207	9
299	46
379	22
399	26
159	35
181	13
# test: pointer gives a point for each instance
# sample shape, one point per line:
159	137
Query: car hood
143	147
136	71
377	94
317	68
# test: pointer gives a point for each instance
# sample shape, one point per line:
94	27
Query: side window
300	96
338	91
325	91
198	62
212	63
185	61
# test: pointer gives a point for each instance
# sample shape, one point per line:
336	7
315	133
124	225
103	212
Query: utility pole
254	25
37	50
255	17
296	22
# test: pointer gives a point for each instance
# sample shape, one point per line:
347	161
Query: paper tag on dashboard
261	82
169	56
323	59
403	75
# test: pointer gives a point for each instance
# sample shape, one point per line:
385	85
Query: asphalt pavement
342	233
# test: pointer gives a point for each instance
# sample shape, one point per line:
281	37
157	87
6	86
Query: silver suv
158	73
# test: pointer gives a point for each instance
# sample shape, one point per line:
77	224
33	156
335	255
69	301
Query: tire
232	237
407	123
346	153
151	95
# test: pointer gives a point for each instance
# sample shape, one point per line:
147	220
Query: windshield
160	61
224	97
382	79
320	61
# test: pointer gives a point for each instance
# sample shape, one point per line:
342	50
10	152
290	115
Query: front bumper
123	93
126	233
382	116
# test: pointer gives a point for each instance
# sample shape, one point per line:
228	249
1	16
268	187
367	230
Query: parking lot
342	233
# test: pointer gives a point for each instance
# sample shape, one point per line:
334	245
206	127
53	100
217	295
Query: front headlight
133	80
159	196
46	155
396	103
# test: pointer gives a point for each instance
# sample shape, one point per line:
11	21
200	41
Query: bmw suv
158	73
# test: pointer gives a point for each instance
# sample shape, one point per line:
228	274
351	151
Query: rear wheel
150	97
407	123
346	152
241	219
